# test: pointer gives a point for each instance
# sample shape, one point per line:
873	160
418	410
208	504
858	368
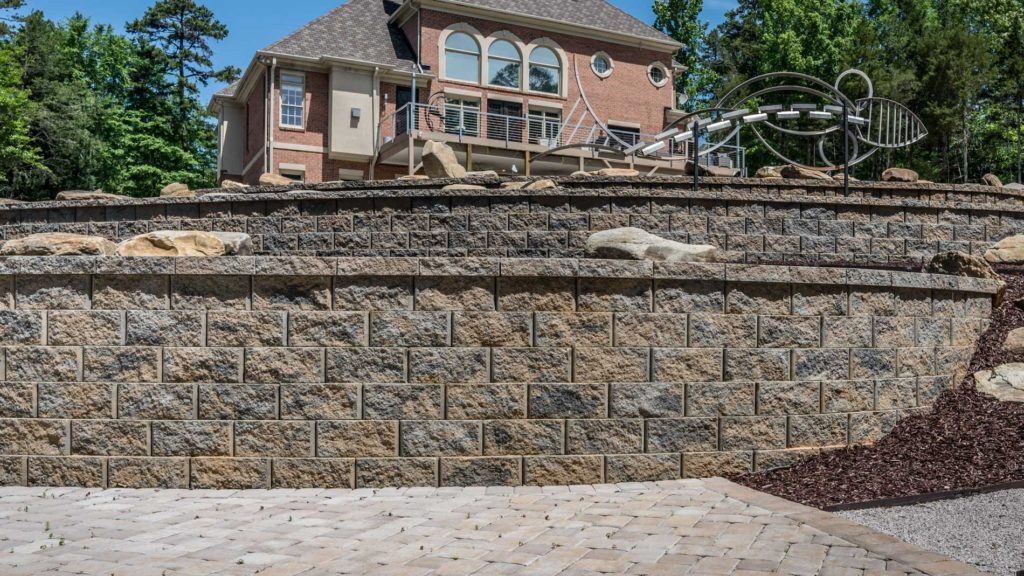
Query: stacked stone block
293	372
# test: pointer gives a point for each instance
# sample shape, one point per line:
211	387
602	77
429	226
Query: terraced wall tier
751	220
256	372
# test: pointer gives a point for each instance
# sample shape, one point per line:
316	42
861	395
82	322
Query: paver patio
679	527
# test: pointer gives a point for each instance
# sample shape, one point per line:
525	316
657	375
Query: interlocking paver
673	527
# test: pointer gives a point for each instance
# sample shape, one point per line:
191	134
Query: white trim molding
300	148
666	75
448	90
593	64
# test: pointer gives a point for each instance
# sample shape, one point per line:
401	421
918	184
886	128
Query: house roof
597	14
356	30
229	90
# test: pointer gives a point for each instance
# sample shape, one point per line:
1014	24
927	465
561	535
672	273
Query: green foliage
680	19
18	155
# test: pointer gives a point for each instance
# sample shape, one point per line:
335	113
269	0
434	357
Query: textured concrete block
819	300
166	473
39	364
237	402
191	438
485	401
841	332
869	301
619	436
298	473
574	329
915	362
720	399
21	328
649	400
642	467
85	472
753	433
790	332
689	296
130	293
615	295
156	401
291	293
781	398
487	471
75	400
611	365
357	439
711	464
818	430
215	365
369	365
540	294
492	329
373	293
687	364
896	393
210	292
821	364
52	292
448	365
934	332
872	362
422	329
563	470
274	439
396	472
655	330
242	328
403	401
682	435
17	400
455	293
519	437
127	364
40	437
82	328
440	438
164	328
568	401
230	473
895	332
283	365
755	298
848	396
717	331
763	364
531	364
320	402
867	427
109	438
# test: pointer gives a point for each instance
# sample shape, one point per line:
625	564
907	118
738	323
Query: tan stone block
410	329
21	328
720	399
642	467
605	436
711	464
455	293
239	328
210	292
753	433
841	332
320	402
868	427
492	329
894	394
122	364
491	471
790	332
230	473
821	364
682	435
848	396
818	430
872	301
64	471
274	439
298	473
75	400
568	401
237	402
574	329
52	292
166	473
915	362
396	472
531	364
612	365
164	328
687	364
448	365
486	401
283	365
781	398
895	332
772	459
820	300
366	365
6	292
521	437
762	364
718	331
373	293
291	293
156	401
647	400
440	438
689	296
109	438
130	293
41	437
563	470
191	438
756	298
42	364
540	294
357	439
84	328
654	330
17	400
198	365
615	295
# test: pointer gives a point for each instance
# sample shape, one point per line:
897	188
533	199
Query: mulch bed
967	440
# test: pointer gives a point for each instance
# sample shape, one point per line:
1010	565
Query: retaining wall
294	372
751	220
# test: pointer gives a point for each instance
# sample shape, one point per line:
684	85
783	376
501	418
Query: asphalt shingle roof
597	14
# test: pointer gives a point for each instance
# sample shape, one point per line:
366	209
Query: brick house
516	86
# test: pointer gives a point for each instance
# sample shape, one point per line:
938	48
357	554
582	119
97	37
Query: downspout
376	134
220	142
270	117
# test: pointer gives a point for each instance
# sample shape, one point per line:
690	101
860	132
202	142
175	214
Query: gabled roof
229	90
597	14
357	30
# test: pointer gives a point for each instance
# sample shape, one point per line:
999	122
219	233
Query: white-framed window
462	116
545	71
462	58
293	100
544	127
602	65
293	174
504	64
657	74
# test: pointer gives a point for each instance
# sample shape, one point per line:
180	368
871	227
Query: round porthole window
602	65
657	74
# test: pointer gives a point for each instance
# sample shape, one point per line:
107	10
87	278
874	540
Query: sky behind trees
254	24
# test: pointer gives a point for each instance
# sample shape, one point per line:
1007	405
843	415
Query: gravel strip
985	530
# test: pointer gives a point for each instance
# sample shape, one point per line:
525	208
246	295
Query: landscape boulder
1005	382
544	184
482	174
992	180
439	161
414	177
899	175
1007	251
268	179
961	264
1014	341
87	195
59	244
175	190
638	244
616	173
10	201
1014	186
179	243
838	177
794	172
454	187
768	172
232	185
580	174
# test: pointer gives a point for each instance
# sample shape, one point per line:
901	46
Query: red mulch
967	440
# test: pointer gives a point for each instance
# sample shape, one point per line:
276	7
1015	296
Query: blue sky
254	24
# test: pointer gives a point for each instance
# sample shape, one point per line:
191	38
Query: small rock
10	201
268	179
960	264
616	173
838	177
1007	251
580	174
179	243
59	244
1005	382
794	172
514	185
1013	186
541	185
637	244
439	161
463	187
769	172
1015	340
899	175
86	195
482	174
232	185
992	180
175	190
414	177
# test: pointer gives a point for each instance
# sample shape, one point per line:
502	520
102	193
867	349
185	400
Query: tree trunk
966	135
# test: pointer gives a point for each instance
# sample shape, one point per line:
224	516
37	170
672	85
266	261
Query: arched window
545	71
504	64
462	58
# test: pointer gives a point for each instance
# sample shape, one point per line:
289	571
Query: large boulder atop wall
794	172
69	195
1005	382
616	173
59	244
1014	186
439	161
992	180
180	243
176	190
961	264
414	177
1007	251
232	185
268	179
768	172
10	201
638	244
899	175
